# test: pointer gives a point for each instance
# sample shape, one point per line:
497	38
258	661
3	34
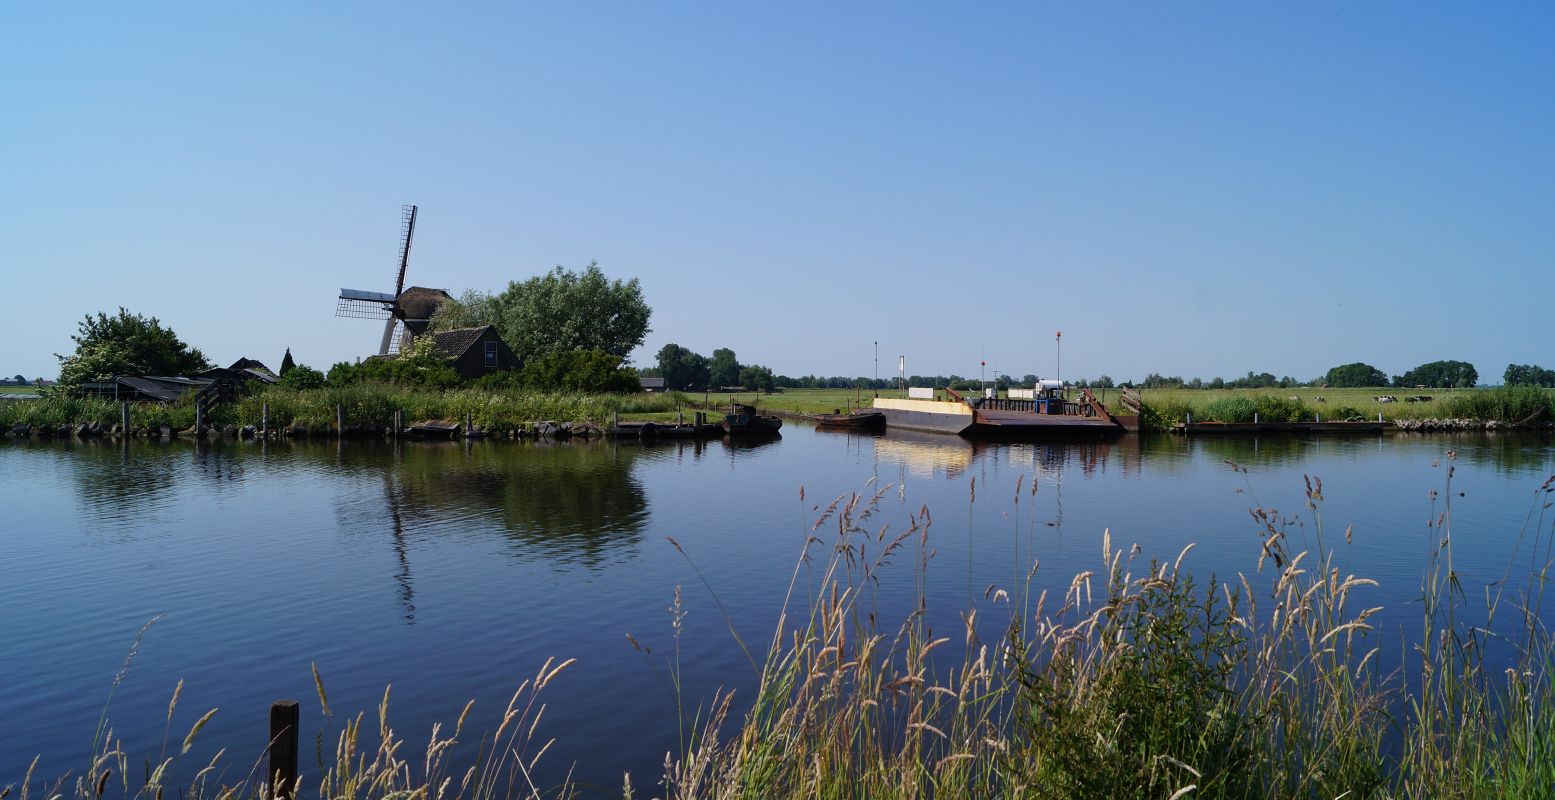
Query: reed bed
55	409
1134	679
365	405
495	411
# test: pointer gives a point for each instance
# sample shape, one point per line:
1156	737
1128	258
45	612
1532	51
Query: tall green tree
1440	375
757	378
1356	374
286	363
682	368
564	310
126	344
724	370
1528	375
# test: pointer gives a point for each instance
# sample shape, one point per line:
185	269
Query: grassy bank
365	405
1167	407
1137	680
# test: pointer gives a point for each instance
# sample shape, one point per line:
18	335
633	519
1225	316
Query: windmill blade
407	233
360	304
390	342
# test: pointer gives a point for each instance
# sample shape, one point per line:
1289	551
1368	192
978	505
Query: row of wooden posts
264	419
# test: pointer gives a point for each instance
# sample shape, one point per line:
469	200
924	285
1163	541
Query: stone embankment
1434	425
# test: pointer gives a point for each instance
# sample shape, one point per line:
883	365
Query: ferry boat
1048	414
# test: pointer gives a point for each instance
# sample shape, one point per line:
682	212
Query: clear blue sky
1197	189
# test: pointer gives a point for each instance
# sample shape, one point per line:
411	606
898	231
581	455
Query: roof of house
651	383
454	343
251	364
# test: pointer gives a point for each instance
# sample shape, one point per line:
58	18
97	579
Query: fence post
283	748
124	417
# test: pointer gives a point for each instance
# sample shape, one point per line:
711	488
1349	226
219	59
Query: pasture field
17	389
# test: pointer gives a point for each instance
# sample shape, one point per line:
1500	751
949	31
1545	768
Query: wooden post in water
468	423
340	420
284	715
264	421
199	419
124	417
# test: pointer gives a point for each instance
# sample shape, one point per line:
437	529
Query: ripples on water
453	570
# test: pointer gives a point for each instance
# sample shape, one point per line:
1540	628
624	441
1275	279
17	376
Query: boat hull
862	420
940	416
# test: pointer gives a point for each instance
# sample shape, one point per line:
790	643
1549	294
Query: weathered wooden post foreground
284	715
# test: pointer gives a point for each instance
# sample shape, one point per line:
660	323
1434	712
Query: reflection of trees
120	483
567	502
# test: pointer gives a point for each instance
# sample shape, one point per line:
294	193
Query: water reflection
121	486
566	503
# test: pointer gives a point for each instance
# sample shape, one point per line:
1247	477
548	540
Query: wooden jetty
698	428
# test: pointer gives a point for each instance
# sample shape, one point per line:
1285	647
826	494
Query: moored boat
749	423
1048	414
861	419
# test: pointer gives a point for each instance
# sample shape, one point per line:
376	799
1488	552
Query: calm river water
452	571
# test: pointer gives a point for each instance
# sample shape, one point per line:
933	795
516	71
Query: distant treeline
1445	374
15	381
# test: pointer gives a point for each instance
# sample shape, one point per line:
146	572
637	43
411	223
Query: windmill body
406	313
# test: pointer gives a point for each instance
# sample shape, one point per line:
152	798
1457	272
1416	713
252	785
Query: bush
302	377
580	371
1162	415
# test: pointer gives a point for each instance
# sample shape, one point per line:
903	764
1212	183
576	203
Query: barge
1049	414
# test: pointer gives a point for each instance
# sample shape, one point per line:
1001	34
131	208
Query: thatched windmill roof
416	304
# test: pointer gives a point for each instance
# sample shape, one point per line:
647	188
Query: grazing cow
1385	398
1419	398
1295	397
1319	399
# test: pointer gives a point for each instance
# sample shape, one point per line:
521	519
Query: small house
651	385
474	352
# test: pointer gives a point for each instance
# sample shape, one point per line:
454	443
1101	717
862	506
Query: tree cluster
1354	375
684	369
1440	375
1528	375
126	344
557	312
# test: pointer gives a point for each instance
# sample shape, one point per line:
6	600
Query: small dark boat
862	419
748	423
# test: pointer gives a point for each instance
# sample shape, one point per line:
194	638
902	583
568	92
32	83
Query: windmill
406	312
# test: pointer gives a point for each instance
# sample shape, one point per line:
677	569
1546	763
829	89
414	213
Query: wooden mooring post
340	420
284	716
199	419
468	424
264	421
124	418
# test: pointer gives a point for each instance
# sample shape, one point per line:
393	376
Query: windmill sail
407	235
